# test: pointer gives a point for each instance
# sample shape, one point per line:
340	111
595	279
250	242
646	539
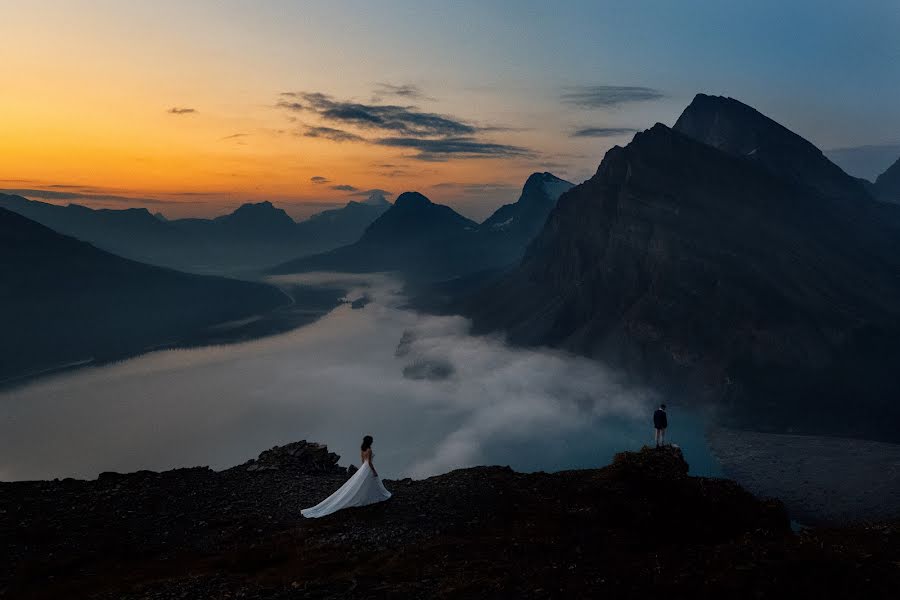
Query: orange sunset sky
191	108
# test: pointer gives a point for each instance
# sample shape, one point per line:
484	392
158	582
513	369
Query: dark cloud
454	147
345	188
485	187
318	179
405	120
606	96
602	132
80	196
330	133
234	136
410	91
175	110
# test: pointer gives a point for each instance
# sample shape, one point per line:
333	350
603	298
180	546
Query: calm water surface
434	397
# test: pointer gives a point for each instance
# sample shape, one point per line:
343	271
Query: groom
660	422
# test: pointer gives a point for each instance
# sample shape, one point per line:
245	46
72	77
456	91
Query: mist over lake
434	397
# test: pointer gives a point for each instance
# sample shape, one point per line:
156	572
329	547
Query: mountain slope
62	300
708	275
524	218
887	185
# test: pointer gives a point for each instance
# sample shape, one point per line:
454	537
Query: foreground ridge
639	525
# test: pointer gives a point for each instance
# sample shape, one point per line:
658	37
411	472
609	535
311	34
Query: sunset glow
186	107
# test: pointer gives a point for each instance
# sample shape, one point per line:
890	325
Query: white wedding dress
363	488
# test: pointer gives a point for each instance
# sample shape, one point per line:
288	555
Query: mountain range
253	237
727	262
64	301
425	241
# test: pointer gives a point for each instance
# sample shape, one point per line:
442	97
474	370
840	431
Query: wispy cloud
406	120
413	92
435	137
175	110
372	193
343	187
60	194
318	179
330	133
601	132
234	136
607	96
443	149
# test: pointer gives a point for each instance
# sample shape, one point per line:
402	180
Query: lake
434	397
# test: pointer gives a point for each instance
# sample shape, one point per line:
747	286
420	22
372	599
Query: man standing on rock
660	422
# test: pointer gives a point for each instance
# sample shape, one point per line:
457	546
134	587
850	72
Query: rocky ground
638	527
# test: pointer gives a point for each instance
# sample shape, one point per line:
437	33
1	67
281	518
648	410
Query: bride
363	488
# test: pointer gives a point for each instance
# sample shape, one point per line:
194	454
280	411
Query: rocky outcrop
637	528
299	457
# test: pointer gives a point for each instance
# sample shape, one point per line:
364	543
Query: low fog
434	397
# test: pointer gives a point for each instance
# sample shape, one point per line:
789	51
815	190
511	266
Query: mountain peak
411	200
741	130
258	212
376	198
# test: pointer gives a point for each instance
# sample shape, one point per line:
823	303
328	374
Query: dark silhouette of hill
427	242
252	237
744	272
63	301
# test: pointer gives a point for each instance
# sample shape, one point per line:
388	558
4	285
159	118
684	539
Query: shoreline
821	480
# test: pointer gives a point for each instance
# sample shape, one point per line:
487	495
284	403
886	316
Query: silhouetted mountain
738	129
526	217
252	237
715	276
887	186
341	226
415	236
132	232
63	300
427	241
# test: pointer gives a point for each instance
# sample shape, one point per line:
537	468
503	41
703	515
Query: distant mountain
341	226
63	300
428	242
252	237
526	217
767	286
887	185
415	236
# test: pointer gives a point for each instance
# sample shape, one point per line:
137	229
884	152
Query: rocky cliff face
717	277
640	527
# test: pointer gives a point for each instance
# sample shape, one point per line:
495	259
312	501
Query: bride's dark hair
367	443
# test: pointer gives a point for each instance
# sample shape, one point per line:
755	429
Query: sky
192	108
